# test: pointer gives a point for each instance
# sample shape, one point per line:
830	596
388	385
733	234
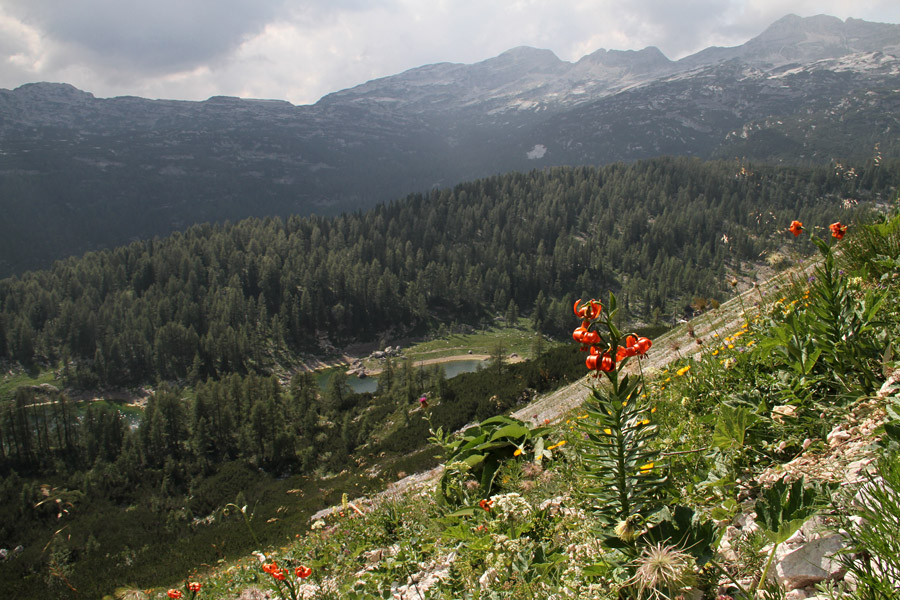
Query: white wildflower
510	507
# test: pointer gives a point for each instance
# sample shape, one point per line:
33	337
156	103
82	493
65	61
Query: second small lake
370	384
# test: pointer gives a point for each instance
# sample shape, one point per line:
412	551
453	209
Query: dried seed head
663	571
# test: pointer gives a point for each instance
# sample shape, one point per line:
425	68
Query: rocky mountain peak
515	65
535	58
634	60
49	92
794	39
821	36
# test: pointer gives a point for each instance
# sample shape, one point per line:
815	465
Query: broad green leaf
474	460
731	427
463	512
539	450
783	509
510	431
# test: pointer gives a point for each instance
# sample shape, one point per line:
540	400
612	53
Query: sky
300	50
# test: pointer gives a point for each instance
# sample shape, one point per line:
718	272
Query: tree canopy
243	297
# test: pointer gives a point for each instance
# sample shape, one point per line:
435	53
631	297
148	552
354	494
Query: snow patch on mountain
537	152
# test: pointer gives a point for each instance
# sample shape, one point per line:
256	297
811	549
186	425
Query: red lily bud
607	363
590	337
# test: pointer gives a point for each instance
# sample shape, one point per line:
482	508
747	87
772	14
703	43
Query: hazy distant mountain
79	172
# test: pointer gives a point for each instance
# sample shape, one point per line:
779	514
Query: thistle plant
622	474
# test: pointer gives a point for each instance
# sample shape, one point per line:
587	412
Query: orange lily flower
589	310
838	230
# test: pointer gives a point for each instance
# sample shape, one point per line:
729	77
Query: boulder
811	563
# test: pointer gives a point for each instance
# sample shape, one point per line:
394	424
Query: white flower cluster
556	507
573	585
510	507
504	551
584	552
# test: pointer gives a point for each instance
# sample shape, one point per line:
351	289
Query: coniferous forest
249	296
215	316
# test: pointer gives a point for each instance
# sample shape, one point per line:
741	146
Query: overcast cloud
301	50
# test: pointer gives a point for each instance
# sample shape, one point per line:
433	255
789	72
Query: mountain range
79	173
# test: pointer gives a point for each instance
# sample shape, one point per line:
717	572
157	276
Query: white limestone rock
810	563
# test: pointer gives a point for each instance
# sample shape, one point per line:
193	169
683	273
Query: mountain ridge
789	31
78	173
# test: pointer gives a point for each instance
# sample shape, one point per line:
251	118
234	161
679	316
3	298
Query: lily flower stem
243	511
414	582
732	579
741	300
765	573
680	452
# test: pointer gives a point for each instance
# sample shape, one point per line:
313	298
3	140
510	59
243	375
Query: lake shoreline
436	361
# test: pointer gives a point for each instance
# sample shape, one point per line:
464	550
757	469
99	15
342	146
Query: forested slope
246	297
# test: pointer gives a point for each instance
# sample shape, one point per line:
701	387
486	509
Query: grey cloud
159	36
675	27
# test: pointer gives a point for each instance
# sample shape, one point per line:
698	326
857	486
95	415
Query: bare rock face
810	563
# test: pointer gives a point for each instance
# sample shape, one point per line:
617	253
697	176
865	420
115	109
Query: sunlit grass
10	382
515	340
